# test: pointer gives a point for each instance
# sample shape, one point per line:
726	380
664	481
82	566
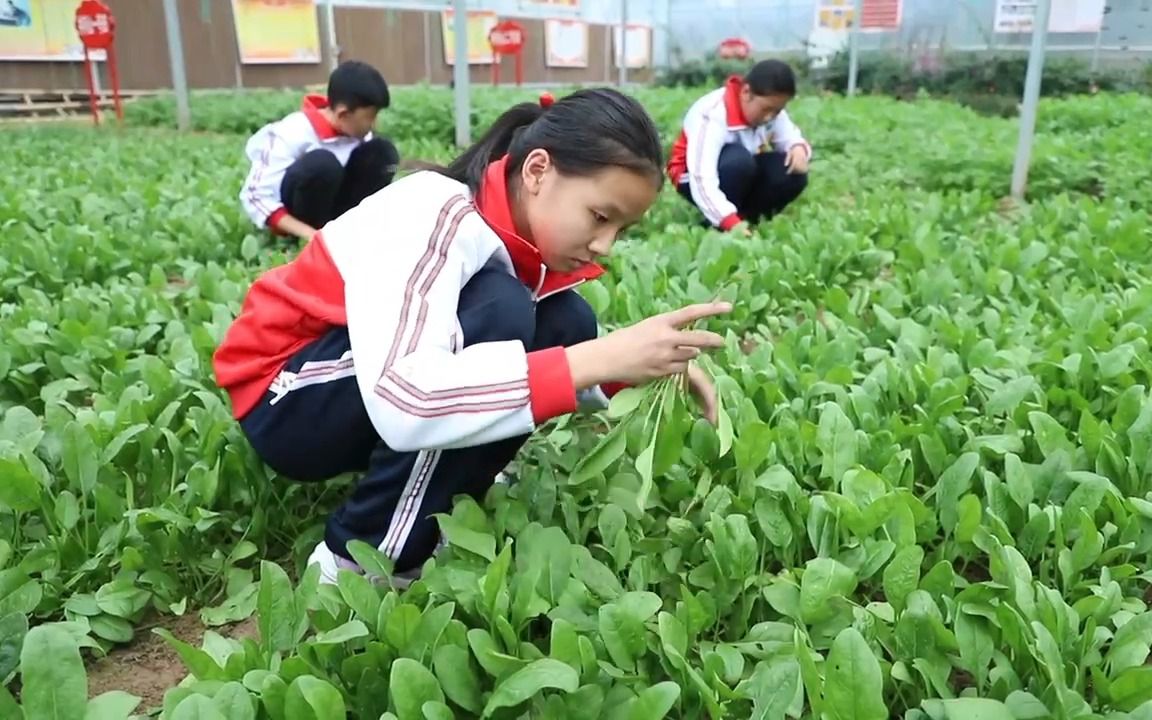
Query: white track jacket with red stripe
274	147
712	122
391	271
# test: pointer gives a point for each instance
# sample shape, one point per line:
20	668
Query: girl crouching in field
423	335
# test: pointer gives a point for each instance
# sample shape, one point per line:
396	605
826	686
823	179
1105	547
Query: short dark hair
356	84
584	133
771	77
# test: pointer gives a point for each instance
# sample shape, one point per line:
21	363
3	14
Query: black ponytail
584	133
469	167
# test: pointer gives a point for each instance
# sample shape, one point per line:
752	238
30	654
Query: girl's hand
796	161
650	349
741	228
701	387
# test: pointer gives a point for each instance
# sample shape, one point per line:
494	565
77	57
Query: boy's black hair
771	77
584	133
356	84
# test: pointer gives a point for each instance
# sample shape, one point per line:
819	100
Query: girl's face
574	221
759	109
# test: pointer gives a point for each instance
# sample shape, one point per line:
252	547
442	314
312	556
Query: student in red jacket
323	159
740	159
423	335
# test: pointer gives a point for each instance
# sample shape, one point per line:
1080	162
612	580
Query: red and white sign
95	25
734	48
507	38
881	14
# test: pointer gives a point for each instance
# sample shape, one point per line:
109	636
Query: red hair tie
546	100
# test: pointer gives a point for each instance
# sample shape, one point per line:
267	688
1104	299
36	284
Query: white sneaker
331	564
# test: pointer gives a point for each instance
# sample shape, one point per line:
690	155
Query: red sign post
734	48
97	30
507	38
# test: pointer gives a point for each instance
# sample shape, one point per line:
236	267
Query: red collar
736	119
311	108
492	201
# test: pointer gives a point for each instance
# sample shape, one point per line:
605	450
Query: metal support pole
330	33
1096	48
460	73
176	60
1031	98
854	47
622	62
427	46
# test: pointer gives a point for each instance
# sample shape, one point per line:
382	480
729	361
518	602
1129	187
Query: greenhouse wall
786	26
404	39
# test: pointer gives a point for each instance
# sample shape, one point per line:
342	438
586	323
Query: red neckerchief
311	108
492	201
735	113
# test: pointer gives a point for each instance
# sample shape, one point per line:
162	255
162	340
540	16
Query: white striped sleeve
271	156
706	133
404	256
788	135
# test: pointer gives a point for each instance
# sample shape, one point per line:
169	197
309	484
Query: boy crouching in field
322	160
